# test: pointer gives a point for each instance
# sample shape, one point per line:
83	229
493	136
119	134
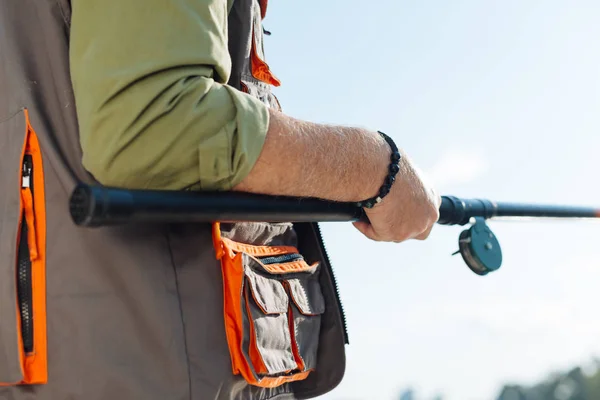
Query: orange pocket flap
256	250
288	268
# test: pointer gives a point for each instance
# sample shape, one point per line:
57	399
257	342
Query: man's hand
409	211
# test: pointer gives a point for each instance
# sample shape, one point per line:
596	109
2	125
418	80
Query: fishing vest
167	311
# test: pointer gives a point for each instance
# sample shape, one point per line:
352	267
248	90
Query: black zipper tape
24	280
319	235
280	259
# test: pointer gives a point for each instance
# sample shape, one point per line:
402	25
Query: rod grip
93	206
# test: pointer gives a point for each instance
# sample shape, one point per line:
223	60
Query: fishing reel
477	245
480	248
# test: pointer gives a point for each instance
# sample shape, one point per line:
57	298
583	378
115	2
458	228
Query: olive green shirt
154	109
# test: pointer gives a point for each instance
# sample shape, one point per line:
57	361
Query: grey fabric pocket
267	332
283	306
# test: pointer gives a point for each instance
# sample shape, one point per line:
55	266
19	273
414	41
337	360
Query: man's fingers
425	234
367	229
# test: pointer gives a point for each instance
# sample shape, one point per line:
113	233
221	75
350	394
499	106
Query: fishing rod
96	206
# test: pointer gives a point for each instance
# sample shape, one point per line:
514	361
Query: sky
492	99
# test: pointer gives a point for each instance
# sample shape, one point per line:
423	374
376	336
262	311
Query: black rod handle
98	205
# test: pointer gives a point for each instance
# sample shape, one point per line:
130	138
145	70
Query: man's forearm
305	159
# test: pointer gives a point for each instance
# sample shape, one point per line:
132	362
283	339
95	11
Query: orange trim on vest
263	8
217	241
37	364
233	276
259	68
34	365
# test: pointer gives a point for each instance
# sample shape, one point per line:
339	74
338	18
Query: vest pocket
273	306
22	262
267	337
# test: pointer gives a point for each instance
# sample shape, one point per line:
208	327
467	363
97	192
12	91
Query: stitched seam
185	345
62	115
11	115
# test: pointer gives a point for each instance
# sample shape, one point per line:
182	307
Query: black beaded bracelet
389	179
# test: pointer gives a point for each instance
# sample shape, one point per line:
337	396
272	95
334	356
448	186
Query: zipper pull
27	168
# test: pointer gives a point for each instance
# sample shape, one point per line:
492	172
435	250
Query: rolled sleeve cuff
236	149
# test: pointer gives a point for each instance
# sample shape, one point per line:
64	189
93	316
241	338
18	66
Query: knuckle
399	237
425	225
434	214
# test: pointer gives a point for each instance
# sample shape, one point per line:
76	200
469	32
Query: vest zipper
280	259
321	242
24	286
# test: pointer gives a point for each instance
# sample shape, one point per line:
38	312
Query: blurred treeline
574	384
571	385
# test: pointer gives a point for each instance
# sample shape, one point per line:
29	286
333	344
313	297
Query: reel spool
479	248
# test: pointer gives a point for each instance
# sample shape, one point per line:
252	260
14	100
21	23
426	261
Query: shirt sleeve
154	110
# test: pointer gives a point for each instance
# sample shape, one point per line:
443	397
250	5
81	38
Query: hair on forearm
302	158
